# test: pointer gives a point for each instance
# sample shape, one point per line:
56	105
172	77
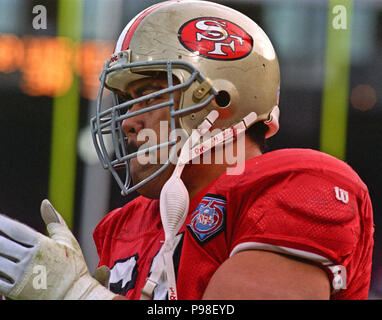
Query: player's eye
153	100
150	101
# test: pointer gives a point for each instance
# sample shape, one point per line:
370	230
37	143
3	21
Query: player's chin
140	172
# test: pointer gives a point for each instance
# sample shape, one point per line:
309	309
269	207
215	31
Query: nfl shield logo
208	218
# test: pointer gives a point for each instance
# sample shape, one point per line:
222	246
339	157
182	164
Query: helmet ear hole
223	99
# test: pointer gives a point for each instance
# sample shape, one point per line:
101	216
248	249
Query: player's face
154	122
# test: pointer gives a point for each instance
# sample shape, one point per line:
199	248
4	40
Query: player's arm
257	274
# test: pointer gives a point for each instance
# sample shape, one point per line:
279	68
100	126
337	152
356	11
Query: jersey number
124	273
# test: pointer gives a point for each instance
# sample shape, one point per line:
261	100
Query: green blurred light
65	121
337	72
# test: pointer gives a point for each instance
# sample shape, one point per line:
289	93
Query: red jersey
299	202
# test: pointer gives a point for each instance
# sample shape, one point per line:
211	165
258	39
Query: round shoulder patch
215	38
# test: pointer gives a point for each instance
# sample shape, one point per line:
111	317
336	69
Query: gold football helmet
222	60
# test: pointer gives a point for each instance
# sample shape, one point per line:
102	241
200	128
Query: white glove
33	266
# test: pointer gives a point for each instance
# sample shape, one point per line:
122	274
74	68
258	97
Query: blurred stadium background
331	85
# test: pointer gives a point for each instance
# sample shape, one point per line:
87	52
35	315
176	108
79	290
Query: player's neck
198	176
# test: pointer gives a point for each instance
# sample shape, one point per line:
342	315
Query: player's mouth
143	152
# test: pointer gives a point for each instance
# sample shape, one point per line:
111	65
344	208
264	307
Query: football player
203	79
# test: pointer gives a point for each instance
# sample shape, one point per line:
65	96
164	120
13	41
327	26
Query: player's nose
131	126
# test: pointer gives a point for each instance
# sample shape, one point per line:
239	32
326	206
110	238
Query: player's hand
33	266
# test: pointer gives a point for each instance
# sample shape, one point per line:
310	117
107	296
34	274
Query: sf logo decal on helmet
215	38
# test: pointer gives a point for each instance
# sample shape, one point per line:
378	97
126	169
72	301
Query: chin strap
174	199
